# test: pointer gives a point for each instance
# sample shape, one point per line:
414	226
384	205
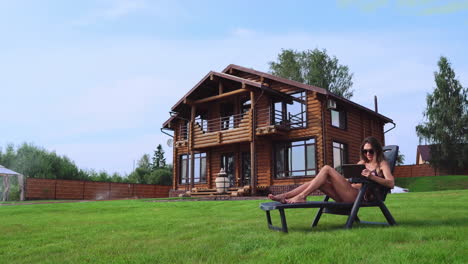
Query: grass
432	229
434	183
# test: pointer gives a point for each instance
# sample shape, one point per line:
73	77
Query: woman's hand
366	173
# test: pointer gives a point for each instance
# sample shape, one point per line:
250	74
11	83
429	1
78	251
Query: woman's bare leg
341	186
328	189
281	197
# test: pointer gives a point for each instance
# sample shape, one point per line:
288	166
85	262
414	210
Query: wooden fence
421	170
47	189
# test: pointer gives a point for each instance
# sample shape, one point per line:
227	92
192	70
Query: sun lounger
349	209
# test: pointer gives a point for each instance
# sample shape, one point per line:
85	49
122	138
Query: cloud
122	8
446	8
113	10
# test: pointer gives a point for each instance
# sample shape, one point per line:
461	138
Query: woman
330	182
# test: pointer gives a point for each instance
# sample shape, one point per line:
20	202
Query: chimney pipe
375	104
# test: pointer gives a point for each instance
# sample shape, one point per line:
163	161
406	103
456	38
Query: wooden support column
253	159
220	87
192	157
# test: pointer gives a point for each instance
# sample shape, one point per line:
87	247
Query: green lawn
432	229
434	183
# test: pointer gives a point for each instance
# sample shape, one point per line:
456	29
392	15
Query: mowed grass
432	229
434	183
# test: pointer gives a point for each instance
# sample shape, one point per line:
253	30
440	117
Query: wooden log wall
359	126
49	189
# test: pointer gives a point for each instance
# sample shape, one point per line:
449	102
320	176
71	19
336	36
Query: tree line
36	162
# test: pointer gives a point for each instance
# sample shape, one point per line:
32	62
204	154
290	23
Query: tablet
352	170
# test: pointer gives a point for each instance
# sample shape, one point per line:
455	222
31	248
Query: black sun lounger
349	209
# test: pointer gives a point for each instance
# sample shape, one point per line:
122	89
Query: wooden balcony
224	130
269	123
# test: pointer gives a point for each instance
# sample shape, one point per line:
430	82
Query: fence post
55	190
84	188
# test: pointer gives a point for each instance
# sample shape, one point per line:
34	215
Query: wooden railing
224	130
237	128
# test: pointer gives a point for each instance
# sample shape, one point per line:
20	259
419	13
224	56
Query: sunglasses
370	151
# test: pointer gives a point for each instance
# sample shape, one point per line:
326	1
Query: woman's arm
388	180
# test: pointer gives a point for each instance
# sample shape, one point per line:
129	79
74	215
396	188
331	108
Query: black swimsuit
378	190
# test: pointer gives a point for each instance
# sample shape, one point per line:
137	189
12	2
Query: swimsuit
378	190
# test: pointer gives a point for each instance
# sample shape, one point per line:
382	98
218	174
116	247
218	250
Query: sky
95	80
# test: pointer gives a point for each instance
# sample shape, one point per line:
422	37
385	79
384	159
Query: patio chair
349	209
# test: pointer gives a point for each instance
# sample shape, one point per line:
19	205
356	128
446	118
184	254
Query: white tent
6	174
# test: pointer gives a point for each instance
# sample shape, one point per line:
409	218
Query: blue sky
94	80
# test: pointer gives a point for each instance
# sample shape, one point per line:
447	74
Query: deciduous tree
314	67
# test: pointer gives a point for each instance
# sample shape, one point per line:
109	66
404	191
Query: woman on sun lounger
330	182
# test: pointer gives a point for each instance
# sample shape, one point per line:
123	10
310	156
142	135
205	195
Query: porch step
206	192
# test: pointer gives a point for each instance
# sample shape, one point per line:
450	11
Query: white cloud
122	8
112	10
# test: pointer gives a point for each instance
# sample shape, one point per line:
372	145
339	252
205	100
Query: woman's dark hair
376	146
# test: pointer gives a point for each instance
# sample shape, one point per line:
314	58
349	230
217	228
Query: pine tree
446	126
158	158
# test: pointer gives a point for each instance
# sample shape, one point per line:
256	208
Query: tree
446	126
400	159
314	67
158	158
144	162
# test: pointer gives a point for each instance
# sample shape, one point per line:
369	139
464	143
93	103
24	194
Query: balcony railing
270	117
221	123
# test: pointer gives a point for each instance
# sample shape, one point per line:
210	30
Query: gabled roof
232	78
306	87
226	76
424	151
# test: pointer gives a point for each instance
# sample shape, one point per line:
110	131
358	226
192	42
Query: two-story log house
265	131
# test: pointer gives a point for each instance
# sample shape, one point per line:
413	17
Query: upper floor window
338	118
227	116
292	115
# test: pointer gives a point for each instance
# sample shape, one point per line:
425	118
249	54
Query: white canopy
4	171
5	188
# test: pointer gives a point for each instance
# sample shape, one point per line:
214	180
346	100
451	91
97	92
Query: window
340	155
245	105
291	115
200	168
201	122
184	130
227	163
338	119
184	169
296	158
297	111
227	116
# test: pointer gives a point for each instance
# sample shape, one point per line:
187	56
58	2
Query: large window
227	163
296	158
200	168
291	115
338	119
340	155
